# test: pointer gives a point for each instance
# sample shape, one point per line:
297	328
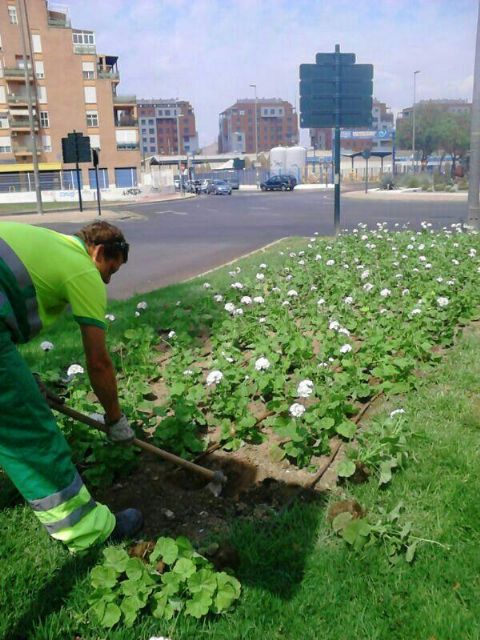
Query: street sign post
95	160
75	149
336	92
366	153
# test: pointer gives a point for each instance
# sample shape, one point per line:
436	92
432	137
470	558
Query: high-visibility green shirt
41	272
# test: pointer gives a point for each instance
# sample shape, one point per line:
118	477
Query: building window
12	14
5	145
152	148
83	37
152	140
39	69
95	141
144	131
88	71
167	112
144	140
47	143
4	121
42	94
92	118
36	43
90	95
44	120
143	121
150	122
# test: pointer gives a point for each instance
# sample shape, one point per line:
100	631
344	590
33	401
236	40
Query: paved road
181	239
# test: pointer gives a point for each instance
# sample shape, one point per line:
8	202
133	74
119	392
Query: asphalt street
178	240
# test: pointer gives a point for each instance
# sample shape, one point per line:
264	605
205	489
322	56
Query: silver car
219	188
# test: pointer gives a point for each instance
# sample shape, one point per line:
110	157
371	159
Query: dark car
219	187
278	183
291	179
233	182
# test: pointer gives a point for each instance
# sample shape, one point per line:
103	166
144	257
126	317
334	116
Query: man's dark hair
110	236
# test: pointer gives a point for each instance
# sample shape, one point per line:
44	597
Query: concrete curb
406	195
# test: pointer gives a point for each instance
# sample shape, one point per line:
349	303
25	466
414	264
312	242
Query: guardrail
130	122
84	48
108	75
11	97
63	23
24	151
15	72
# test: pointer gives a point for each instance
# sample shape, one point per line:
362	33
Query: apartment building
276	122
73	88
167	127
449	105
378	137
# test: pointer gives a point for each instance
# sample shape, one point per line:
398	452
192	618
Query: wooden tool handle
56	403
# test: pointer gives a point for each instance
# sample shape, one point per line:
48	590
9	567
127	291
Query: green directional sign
330	58
328	104
315	87
318	120
76	148
352	73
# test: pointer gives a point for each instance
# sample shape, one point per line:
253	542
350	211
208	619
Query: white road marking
175	213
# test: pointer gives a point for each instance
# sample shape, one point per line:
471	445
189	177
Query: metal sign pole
336	213
98	192
77	169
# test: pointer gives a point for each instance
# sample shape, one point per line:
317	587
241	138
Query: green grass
299	581
31	207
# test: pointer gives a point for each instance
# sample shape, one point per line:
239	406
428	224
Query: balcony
15	74
105	74
128	146
84	49
21	150
21	124
125	100
58	20
15	99
127	122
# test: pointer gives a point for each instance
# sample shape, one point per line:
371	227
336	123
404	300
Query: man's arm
100	371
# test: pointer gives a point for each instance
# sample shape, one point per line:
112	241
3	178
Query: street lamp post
254	86
413	119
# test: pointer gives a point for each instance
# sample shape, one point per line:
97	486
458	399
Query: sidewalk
407	195
76	216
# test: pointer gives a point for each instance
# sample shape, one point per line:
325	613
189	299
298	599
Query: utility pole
254	86
474	174
413	119
178	147
28	55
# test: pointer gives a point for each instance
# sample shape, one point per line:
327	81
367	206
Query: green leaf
130	607
340	522
199	605
184	568
356	532
166	549
163	609
325	423
276	454
185	547
346	469
116	559
224	598
135	568
171	581
203	580
410	553
386	471
346	429
103	577
111	616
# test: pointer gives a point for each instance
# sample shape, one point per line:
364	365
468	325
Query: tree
435	130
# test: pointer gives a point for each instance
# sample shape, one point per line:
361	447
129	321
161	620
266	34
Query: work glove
120	431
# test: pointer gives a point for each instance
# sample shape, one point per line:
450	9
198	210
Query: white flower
137	314
214	377
305	389
368	286
322	365
238	312
292	254
301	253
110	317
422	258
318	257
260	276
296	410
472	253
439	279
178	303
456	262
285	303
237	285
246	300
262	364
348	300
230	307
207	285
142	305
415	312
329	263
364	275
301	262
188	372
405	292
289	277
259	299
452	282
313	288
320	302
262	266
171	334
74	369
428	265
346	348
385	293
275	289
344	331
218	297
334	325
292	293
46	346
396	412
262	320
442	302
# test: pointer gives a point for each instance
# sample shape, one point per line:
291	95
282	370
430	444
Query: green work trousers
37	458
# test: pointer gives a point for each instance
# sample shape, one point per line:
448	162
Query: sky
210	51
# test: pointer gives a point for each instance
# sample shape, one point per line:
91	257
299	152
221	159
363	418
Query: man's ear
98	252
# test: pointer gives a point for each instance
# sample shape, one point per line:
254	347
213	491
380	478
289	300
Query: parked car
292	180
205	184
219	187
193	186
177	183
278	183
233	182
